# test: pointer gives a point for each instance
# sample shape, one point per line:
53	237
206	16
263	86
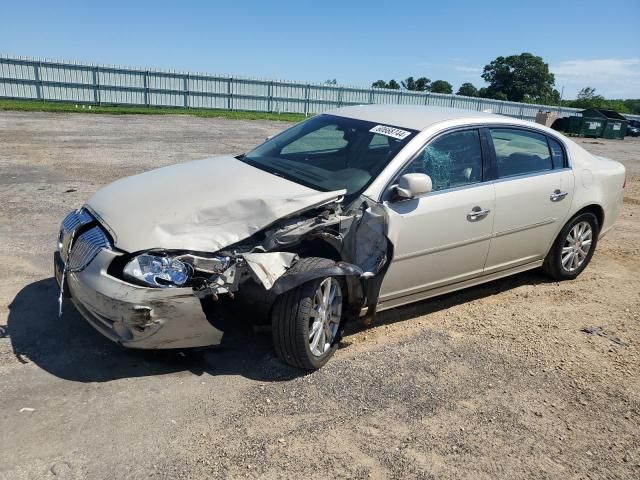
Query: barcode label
390	132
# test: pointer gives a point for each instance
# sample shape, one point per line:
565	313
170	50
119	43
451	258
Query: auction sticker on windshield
390	131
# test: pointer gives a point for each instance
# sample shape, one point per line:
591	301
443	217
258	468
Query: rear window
519	152
557	154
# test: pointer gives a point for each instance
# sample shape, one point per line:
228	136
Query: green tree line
518	78
588	98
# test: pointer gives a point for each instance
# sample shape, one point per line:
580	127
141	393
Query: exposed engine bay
354	237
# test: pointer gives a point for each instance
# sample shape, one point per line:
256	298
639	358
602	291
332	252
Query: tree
552	99
468	90
409	83
393	85
423	84
519	78
633	105
441	86
617	105
588	98
419	85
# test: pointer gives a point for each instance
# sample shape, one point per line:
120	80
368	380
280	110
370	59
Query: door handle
477	213
557	195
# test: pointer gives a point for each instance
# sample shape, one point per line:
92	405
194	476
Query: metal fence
48	80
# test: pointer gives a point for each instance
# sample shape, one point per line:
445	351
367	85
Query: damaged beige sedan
348	213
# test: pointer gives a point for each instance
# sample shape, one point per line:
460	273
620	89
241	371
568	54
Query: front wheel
306	320
573	248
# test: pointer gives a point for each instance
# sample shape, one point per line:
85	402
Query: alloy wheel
324	320
577	246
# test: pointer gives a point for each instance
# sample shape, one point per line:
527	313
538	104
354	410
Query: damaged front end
355	238
130	314
164	298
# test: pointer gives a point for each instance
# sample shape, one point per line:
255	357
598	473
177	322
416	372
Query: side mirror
411	185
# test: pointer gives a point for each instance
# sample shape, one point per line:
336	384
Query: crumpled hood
202	205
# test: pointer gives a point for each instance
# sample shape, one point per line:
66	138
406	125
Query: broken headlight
158	270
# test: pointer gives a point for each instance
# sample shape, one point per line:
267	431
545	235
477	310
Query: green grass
63	107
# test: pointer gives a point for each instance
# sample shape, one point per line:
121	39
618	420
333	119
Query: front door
442	237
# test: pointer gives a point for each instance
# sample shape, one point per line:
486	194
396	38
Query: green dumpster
585	126
615	130
614	124
592	127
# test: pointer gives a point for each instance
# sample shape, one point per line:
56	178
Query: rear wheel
306	320
573	248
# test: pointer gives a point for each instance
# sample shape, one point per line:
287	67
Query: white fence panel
40	79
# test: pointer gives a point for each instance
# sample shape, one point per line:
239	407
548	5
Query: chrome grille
86	247
70	224
75	219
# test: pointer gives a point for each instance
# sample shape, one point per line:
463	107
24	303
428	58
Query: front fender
290	281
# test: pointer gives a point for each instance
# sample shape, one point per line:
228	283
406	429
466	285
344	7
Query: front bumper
135	316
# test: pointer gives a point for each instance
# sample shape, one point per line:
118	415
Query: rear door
534	190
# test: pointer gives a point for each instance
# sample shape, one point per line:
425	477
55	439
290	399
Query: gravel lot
496	381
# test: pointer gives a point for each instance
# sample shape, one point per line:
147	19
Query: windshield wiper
261	166
305	173
282	173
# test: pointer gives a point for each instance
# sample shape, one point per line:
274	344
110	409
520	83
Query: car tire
298	314
569	255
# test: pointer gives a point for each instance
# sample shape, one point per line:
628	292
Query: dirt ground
496	381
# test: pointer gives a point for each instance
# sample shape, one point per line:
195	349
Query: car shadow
446	301
71	349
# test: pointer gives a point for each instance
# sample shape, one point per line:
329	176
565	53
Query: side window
452	160
325	139
557	154
520	152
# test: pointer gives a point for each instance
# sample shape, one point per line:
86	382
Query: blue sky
594	43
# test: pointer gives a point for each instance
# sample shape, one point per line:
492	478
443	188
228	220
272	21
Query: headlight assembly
158	271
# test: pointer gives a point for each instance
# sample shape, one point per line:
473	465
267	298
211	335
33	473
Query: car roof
416	117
